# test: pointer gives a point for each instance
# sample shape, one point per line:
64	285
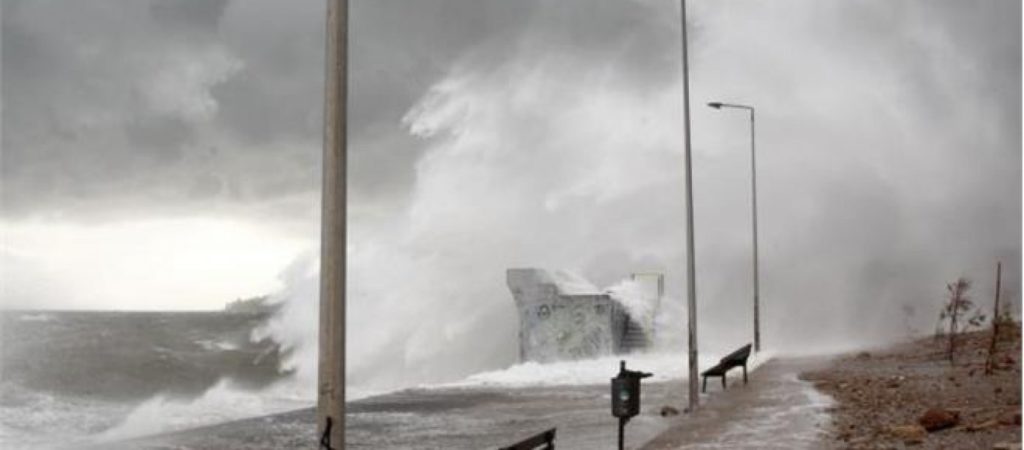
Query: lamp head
716	105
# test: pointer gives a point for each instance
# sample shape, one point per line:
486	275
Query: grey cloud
165	133
188	15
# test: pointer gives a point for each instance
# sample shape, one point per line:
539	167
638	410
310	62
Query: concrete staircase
634	337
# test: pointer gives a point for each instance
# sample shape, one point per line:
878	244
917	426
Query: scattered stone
864	355
859	441
1010	419
669	411
902	401
982	426
909	434
936	419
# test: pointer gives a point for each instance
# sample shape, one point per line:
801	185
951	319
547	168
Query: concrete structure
563	317
651	286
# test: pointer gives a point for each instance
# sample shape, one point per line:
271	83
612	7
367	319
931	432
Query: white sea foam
663	366
212	345
222	403
638	302
31	419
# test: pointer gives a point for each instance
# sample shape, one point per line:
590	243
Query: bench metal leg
744	374
705	388
723	381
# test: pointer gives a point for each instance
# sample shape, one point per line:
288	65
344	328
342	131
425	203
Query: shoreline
882	396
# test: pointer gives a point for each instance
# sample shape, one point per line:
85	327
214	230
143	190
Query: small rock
1010	419
855	442
864	355
909	434
938	419
982	426
669	411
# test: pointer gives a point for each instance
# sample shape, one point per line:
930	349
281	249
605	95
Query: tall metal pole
330	409
753	195
691	278
753	215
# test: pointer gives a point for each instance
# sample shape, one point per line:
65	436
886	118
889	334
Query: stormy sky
165	154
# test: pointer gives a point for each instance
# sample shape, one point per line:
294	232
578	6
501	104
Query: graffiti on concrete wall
564	318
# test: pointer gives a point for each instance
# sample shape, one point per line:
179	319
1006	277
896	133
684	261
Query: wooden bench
735	359
546	438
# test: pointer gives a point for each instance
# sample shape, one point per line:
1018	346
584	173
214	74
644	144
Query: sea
82	379
74	377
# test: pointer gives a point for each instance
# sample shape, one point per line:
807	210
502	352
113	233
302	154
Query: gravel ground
883	395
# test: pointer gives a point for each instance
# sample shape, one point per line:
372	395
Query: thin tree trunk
952	319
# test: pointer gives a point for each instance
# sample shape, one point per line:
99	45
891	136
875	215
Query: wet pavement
448	418
776	410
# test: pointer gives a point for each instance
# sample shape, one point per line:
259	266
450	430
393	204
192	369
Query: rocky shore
912	395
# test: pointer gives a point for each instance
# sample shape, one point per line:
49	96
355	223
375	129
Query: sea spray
294	326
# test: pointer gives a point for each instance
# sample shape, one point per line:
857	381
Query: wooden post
990	361
330	410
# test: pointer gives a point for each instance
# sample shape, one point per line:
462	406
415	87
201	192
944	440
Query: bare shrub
956	311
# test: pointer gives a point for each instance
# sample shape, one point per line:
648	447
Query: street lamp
753	195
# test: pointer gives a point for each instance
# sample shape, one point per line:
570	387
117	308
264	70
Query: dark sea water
70	376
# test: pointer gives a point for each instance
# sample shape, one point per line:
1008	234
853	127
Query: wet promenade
776	410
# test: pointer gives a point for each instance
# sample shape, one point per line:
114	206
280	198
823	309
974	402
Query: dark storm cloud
122	98
124	92
107	102
86	111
